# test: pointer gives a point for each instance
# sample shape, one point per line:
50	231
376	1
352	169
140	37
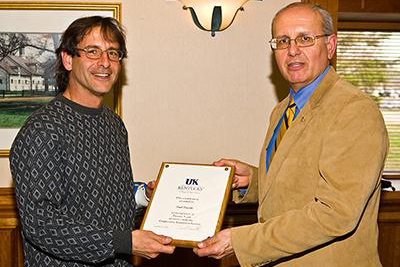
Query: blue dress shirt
300	99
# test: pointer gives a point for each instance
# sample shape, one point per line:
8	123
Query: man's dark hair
110	28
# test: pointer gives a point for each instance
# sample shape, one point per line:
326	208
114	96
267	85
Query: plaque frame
223	196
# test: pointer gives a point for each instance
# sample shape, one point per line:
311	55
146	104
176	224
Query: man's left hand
217	246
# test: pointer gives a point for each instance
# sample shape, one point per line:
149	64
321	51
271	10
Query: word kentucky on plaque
189	202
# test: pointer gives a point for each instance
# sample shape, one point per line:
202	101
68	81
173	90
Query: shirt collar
301	97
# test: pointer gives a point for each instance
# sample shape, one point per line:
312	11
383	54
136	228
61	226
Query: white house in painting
19	74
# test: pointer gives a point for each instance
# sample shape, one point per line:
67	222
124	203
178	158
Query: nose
293	49
104	60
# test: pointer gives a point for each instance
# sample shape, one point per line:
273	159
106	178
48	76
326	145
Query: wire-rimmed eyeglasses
303	40
96	53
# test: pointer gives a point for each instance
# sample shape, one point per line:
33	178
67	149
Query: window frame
370	22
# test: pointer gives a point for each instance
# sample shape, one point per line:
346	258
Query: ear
66	60
331	45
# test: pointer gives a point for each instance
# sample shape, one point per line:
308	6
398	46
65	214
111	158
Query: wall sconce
213	15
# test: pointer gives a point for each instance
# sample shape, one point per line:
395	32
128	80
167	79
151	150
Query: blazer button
262	220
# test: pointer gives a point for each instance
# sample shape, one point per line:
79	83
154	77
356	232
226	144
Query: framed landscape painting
30	33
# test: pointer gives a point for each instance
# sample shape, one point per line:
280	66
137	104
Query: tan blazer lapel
290	138
292	134
275	118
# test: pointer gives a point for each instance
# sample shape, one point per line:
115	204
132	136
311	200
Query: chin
100	92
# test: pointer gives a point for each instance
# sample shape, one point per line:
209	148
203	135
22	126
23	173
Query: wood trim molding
366	25
8	207
389	211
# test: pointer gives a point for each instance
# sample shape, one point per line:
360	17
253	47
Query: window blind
371	61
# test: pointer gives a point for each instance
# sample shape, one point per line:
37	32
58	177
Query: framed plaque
188	202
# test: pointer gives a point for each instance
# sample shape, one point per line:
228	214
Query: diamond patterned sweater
72	174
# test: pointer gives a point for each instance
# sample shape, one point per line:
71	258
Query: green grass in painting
14	113
12	120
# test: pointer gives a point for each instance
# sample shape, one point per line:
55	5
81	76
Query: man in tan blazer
318	193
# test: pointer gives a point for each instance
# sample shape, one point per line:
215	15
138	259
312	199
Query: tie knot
290	113
292	104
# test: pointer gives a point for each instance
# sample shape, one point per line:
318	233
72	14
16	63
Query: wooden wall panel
8	242
11	254
332	7
389	229
389	235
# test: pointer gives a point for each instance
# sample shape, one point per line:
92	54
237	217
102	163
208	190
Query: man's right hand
149	245
243	171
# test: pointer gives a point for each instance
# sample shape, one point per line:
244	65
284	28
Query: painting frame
63	13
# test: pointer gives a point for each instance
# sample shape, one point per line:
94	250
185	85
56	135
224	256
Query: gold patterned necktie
287	121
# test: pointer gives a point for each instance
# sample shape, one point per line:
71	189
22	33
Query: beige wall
190	97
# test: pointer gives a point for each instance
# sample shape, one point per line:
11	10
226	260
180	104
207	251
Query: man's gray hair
327	22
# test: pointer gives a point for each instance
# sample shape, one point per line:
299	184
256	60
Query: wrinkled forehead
105	33
297	17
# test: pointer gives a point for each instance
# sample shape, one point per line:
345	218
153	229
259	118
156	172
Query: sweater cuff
122	241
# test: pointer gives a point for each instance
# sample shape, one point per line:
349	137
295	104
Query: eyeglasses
96	53
303	40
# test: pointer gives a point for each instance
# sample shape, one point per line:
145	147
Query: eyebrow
96	46
300	34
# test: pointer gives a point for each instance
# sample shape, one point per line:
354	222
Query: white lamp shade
204	11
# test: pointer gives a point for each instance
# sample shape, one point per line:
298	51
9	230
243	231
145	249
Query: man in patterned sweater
71	166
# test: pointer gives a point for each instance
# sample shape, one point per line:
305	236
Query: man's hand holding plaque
149	245
242	174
